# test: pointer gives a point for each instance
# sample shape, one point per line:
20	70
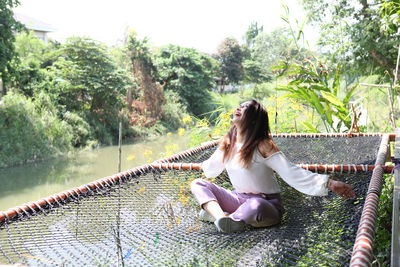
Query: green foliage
270	48
353	34
29	131
27	66
29	47
174	111
231	56
226	102
95	81
8	26
311	85
81	130
390	13
382	249
187	72
259	91
253	72
139	51
85	80
292	115
252	32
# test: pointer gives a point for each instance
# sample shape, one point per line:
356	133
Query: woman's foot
206	217
229	225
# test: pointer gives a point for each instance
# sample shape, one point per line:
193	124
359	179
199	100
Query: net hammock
147	217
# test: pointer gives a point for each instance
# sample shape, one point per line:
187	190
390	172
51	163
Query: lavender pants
254	209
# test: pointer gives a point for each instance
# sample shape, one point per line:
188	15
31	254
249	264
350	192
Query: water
30	182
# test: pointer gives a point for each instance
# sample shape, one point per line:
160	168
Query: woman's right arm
214	166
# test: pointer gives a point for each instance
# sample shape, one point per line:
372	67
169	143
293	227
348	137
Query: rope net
149	218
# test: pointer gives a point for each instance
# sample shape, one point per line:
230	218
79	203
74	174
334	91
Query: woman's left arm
303	180
306	181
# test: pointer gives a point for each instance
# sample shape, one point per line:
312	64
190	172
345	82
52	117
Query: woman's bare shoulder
267	147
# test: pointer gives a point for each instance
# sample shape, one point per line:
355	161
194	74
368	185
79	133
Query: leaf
301	30
285	19
349	94
315	102
309	127
319	87
336	79
332	99
328	115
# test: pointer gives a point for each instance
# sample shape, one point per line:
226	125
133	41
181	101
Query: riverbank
30	182
89	147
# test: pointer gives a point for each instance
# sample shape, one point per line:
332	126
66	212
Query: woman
250	157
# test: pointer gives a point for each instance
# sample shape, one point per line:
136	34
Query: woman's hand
342	189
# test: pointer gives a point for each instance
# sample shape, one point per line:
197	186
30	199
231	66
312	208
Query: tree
151	96
230	55
270	48
98	83
187	72
8	25
253	72
353	33
252	32
27	64
390	13
85	79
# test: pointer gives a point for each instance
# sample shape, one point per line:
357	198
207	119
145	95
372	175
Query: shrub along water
28	133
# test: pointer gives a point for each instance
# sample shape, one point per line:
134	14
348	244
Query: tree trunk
222	88
1	88
129	98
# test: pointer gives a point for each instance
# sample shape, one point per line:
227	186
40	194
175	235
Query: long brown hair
254	126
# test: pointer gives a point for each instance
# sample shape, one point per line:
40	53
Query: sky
199	24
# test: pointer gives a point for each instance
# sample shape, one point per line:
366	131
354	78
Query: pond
30	182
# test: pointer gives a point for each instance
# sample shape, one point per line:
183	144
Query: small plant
383	235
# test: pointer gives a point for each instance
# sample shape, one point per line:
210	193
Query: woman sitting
250	157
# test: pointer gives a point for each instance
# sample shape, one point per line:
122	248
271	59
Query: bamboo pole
363	247
395	248
119	147
326	168
377	85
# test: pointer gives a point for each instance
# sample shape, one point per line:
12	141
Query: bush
174	111
28	133
383	235
81	131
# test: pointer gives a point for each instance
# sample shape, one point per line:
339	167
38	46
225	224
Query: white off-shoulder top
260	176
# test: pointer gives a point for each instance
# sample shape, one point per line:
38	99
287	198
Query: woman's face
239	111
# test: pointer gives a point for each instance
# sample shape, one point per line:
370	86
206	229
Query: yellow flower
169	134
147	154
181	131
183	199
202	123
194	228
187	120
141	190
142	245
170	150
131	157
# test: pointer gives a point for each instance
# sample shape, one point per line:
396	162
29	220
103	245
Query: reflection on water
31	182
